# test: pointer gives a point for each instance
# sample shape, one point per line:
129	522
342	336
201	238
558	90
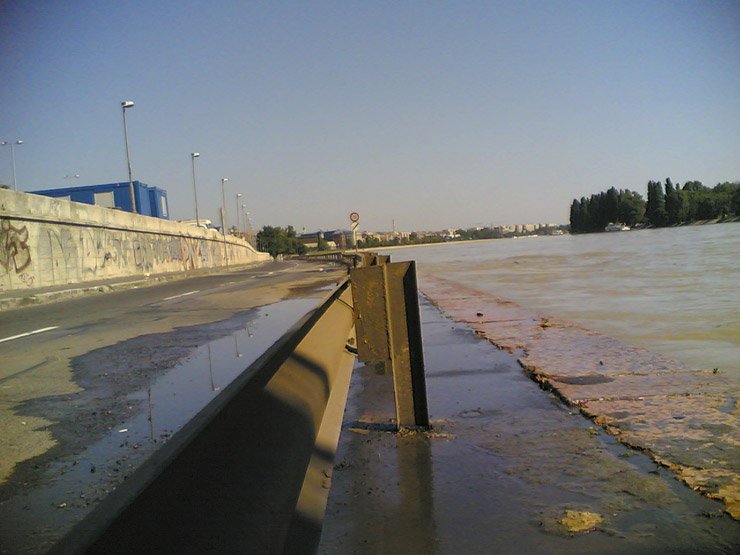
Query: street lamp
248	232
12	156
238	219
223	204
223	220
193	156
124	105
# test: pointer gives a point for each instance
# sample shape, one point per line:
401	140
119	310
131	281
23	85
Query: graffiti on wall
82	254
64	254
14	251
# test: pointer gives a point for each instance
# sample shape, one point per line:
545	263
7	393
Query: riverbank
687	420
506	469
734	219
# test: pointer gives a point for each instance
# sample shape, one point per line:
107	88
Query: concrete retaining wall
46	241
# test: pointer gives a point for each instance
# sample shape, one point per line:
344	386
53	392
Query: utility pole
238	219
128	104
193	156
12	144
223	204
223	217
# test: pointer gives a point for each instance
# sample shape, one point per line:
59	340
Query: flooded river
673	291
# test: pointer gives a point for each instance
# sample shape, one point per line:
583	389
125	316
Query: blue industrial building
150	201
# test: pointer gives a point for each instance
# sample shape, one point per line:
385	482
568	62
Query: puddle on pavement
60	492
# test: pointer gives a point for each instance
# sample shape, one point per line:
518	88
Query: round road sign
354	217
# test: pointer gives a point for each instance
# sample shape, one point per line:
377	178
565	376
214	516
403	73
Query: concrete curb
54	296
45	297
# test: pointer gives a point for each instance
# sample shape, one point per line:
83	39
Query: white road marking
181	295
34	332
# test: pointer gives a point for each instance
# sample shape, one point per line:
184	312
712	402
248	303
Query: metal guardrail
340	257
388	327
234	479
229	480
351	259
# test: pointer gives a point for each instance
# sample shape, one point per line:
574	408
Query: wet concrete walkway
507	469
687	419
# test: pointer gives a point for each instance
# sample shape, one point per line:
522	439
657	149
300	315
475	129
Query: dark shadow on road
233	489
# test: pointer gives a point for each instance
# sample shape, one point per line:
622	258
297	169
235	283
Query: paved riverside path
504	464
90	387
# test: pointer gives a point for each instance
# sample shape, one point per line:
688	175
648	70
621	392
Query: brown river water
673	291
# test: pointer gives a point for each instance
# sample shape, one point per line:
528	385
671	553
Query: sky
432	114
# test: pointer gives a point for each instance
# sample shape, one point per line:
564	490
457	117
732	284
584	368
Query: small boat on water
617	227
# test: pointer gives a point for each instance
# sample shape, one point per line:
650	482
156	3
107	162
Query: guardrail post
389	330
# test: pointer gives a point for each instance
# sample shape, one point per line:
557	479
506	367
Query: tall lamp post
12	144
238	219
124	105
223	204
248	232
193	156
223	217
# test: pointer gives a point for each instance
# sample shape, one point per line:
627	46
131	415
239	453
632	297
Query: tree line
667	204
279	240
413	239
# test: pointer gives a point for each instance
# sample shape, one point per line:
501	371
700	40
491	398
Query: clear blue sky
434	114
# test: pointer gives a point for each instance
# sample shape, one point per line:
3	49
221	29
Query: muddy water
673	291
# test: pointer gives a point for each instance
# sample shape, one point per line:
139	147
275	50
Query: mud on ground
687	420
506	468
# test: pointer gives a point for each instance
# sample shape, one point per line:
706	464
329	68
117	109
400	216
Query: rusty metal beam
389	331
371	317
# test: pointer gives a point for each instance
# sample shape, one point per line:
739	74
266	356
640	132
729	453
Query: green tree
611	205
278	240
694	186
655	209
724	194
673	203
575	216
585	215
735	203
706	208
671	206
631	207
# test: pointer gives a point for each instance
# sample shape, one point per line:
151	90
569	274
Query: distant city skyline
434	115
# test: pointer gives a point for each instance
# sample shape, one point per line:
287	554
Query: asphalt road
130	306
76	372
